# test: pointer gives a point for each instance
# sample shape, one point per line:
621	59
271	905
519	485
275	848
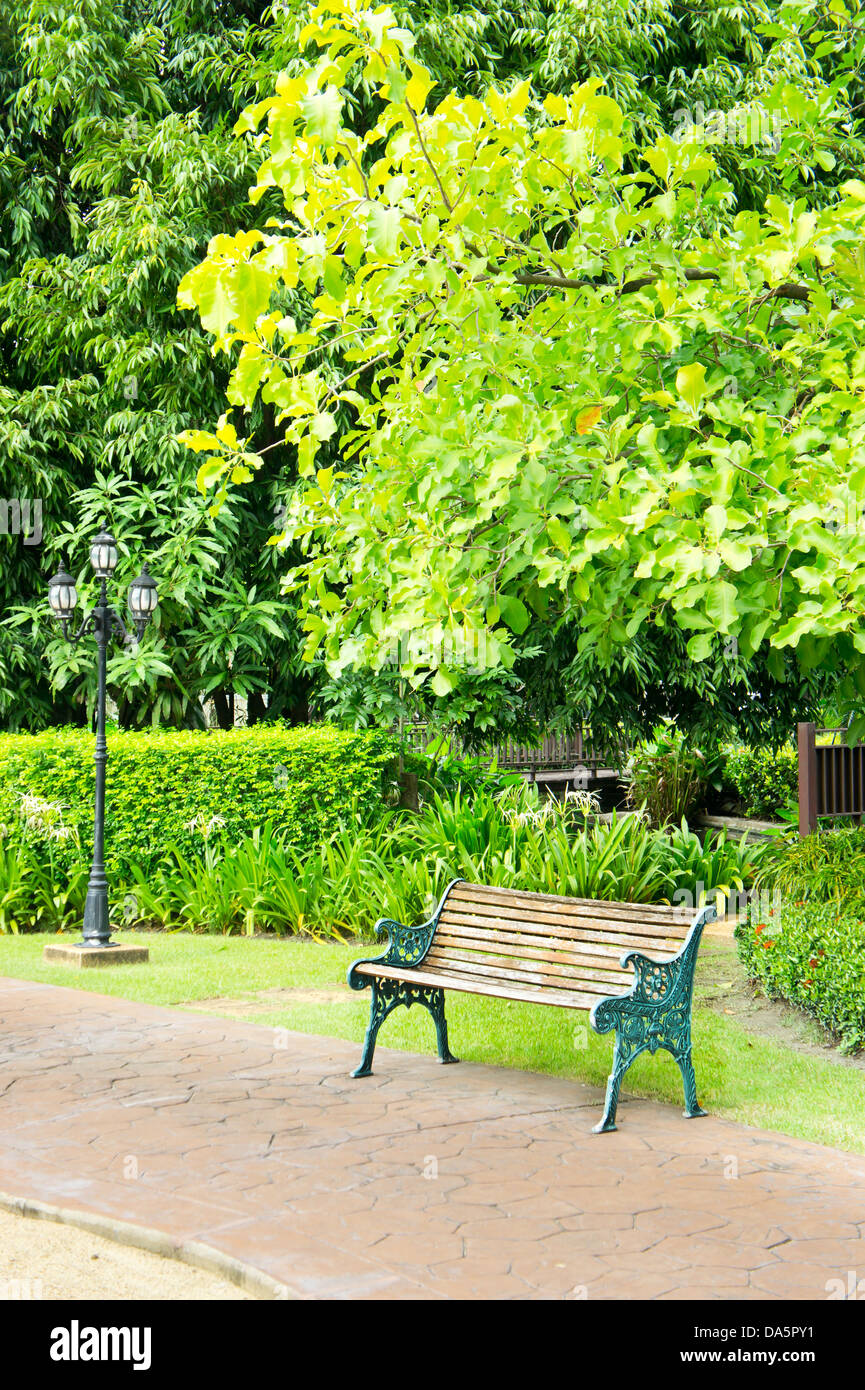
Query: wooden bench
547	950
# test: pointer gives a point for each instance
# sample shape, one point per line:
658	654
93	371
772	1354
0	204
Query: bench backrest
523	944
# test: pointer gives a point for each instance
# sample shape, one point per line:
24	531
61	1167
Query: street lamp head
103	554
62	595
142	599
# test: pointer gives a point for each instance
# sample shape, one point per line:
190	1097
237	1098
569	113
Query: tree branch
435	173
788	290
564	282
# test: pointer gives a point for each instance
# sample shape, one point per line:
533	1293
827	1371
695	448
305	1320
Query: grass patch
740	1075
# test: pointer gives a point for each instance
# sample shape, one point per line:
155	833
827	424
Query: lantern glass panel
62	594
103	555
143	597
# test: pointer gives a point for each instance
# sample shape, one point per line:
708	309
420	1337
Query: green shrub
515	840
393	864
811	954
763	780
168	789
42	888
828	867
666	775
400	865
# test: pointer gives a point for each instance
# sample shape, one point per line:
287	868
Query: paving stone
421	1182
795	1281
652	1285
702	1252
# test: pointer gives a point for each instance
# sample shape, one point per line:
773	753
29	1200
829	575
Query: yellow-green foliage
165	788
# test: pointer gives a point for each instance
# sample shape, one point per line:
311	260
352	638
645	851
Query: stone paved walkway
420	1182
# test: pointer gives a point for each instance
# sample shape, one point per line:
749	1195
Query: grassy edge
741	1076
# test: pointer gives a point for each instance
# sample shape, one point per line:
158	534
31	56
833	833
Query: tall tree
119	165
576	379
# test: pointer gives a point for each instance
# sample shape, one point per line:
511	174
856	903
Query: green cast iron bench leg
388	995
656	1014
621	1062
614	1082
689	1081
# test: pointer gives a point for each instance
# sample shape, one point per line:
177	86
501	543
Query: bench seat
538	948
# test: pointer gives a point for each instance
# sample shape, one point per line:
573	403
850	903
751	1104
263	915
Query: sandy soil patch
47	1260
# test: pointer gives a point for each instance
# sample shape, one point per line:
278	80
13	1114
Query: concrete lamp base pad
90	957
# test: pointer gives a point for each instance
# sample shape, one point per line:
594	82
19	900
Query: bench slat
568	947
485	890
619	940
536	972
540	921
469	984
530	948
605	959
573	917
549	902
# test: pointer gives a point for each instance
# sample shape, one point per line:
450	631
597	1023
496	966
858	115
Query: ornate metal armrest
657	984
407	945
654	980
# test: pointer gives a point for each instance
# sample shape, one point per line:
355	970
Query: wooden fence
581	751
831	777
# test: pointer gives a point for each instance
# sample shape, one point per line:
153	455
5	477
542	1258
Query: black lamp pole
106	625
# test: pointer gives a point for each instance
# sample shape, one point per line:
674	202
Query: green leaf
735	554
323	114
721	605
701	646
442	682
691	384
323	426
384	229
559	535
514	613
217	297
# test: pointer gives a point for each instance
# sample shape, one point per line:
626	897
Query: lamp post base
84	956
96	928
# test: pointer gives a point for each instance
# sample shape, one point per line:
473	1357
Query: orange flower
767	944
761	926
812	962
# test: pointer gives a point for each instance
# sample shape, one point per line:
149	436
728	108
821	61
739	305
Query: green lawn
741	1076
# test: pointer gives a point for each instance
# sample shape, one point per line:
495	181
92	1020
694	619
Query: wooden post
807	740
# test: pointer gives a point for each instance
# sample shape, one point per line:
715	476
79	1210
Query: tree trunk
256	709
224	709
298	713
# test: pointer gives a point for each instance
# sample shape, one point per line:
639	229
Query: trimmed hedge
813	955
159	782
763	779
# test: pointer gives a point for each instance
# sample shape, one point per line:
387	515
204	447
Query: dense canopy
575	378
120	163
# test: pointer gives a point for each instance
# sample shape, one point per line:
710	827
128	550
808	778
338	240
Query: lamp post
106	625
